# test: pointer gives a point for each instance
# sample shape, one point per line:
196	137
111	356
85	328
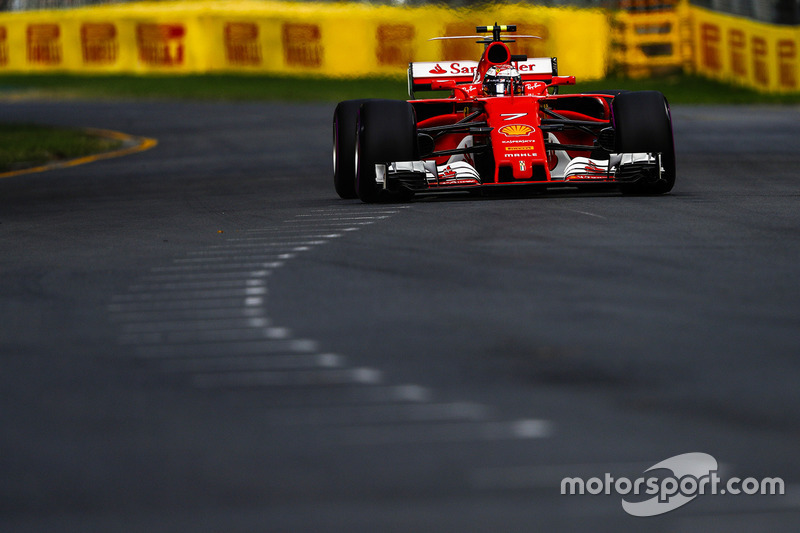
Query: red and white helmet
502	80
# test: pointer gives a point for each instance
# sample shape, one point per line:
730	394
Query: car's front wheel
386	132
643	124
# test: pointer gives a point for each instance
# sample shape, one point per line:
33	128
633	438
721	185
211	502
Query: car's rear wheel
386	132
344	148
643	124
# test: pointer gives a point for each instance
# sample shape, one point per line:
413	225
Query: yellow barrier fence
649	37
284	38
644	38
735	49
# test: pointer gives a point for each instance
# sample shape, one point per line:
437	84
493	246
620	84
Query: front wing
427	176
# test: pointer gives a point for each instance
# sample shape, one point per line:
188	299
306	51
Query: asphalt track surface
202	337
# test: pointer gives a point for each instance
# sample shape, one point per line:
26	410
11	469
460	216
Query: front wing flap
418	176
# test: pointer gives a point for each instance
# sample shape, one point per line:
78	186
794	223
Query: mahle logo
690	475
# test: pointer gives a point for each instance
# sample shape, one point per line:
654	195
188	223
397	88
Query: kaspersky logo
516	130
591	167
438	70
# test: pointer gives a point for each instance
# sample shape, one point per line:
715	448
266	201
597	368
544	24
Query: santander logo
456	68
448	173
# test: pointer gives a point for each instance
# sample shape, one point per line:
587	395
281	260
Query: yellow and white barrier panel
283	38
765	57
351	40
734	49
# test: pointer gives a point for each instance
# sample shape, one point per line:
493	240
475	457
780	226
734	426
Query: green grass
201	87
679	89
28	145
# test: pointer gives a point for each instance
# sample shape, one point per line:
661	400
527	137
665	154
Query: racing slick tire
643	123
386	132
344	148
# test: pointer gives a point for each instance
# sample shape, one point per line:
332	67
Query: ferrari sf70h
503	125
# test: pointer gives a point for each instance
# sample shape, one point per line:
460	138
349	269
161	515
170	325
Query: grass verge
200	87
28	145
679	89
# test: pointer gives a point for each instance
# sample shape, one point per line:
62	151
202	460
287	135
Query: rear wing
422	76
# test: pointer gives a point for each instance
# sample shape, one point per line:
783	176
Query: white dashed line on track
203	319
279	361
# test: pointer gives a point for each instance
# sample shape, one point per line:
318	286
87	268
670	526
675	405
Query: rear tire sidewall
345	118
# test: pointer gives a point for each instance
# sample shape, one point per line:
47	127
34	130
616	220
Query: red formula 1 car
503	125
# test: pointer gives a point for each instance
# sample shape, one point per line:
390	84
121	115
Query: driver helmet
502	80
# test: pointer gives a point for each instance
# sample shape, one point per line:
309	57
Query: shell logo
516	130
